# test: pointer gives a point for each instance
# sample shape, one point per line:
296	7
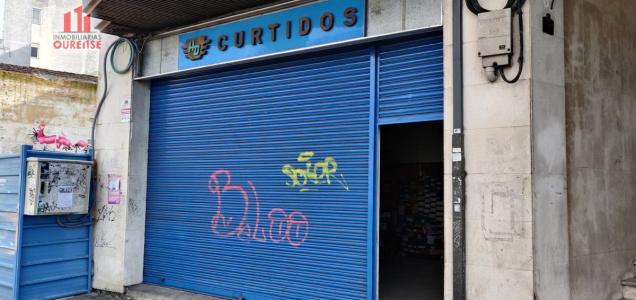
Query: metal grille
9	203
411	81
258	180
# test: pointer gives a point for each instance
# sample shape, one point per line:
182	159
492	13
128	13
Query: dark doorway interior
411	211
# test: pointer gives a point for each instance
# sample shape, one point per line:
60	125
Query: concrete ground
400	279
144	292
411	279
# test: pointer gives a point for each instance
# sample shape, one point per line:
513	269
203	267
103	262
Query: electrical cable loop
134	51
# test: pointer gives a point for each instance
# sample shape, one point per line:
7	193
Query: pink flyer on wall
114	189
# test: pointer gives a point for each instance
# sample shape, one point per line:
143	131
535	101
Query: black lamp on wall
548	22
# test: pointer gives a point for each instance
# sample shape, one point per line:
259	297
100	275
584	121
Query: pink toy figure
58	141
43	138
62	141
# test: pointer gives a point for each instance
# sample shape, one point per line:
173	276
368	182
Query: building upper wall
15	43
64	102
18	34
382	17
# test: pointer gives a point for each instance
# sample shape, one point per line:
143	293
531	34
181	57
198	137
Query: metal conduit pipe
458	158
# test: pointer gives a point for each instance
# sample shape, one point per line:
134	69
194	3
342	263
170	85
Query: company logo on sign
299	27
82	19
78	37
195	48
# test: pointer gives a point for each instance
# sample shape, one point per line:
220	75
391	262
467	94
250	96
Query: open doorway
411	211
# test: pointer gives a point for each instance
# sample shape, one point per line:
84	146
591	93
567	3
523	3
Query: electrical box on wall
57	187
495	37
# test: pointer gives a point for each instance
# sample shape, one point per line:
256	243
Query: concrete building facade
548	160
27	36
16	40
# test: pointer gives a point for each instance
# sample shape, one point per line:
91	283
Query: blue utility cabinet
41	257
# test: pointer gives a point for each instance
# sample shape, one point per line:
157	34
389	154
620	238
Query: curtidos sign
309	25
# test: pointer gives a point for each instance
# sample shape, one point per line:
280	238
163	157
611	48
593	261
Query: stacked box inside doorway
421	211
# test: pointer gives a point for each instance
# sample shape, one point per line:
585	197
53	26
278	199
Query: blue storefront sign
295	28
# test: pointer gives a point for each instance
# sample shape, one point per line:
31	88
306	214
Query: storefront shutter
259	180
411	81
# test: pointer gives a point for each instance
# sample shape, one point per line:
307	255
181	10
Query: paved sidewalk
99	296
144	292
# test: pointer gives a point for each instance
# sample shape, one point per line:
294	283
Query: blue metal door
260	181
411	81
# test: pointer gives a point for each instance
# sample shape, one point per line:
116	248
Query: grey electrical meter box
495	37
57	187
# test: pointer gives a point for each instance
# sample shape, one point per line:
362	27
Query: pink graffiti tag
216	189
278	225
297	229
292	227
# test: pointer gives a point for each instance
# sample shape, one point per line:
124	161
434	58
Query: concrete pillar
120	153
516	225
549	184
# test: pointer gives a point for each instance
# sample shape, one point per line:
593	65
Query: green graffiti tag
324	172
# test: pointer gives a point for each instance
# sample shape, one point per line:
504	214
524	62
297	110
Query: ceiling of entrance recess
142	16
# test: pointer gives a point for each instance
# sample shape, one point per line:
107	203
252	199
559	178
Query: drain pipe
458	158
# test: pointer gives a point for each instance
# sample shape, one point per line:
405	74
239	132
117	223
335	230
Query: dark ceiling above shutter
139	16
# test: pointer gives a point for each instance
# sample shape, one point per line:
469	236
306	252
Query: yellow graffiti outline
328	168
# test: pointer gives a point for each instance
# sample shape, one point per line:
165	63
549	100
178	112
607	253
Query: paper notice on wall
125	110
114	189
457	154
65	197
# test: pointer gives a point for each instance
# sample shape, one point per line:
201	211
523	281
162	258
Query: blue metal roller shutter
263	235
411	81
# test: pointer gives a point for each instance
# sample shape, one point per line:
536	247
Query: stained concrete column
549	184
600	38
120	153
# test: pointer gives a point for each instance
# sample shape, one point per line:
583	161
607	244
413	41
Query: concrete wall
15	47
600	38
65	103
514	136
121	150
390	16
549	204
